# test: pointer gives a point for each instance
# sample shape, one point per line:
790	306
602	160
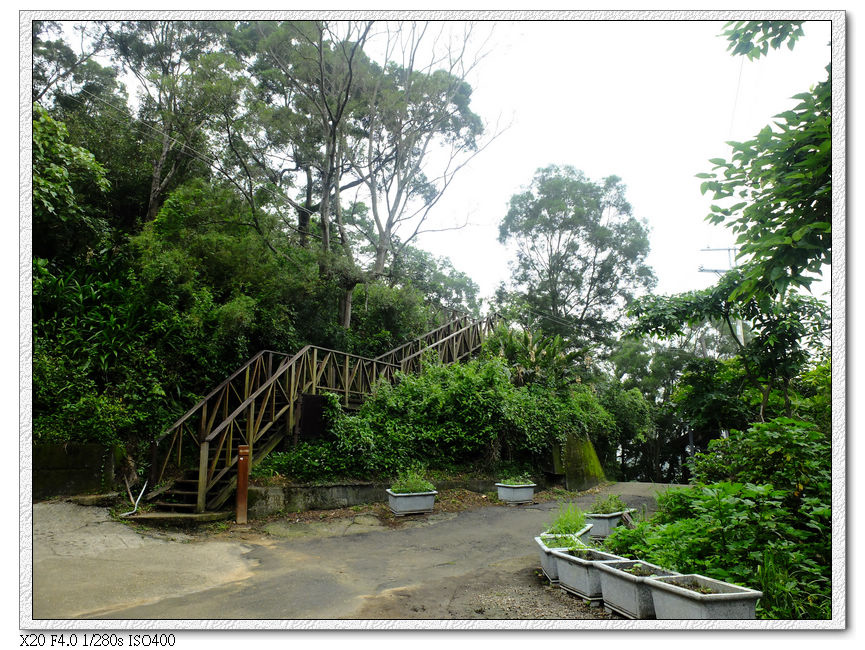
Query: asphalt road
474	564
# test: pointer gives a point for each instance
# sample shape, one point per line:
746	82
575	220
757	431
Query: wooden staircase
194	460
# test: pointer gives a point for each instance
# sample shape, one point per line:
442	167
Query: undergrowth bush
449	418
412	479
763	522
568	521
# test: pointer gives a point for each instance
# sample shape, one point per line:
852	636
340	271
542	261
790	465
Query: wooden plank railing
185	435
412	347
454	347
276	401
260	402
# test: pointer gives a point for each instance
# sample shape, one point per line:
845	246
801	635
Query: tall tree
784	332
55	63
776	190
415	129
581	254
162	55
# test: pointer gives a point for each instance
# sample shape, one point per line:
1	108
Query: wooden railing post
345	380
202	477
242	482
314	370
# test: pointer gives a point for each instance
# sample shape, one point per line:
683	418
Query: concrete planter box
410	503
728	601
578	573
548	562
514	494
625	593
582	535
604	523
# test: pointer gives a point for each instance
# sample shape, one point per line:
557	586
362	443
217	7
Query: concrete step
181	517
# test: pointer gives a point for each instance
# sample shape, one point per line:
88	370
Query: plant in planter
606	513
570	521
550	544
411	493
567	530
516	490
578	574
693	596
624	586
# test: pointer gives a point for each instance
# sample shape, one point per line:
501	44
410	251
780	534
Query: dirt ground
472	558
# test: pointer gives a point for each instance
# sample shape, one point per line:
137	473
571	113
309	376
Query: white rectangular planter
410	503
625	593
673	601
604	523
548	562
578	573
514	494
583	535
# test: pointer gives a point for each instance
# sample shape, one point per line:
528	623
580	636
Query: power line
184	147
736	99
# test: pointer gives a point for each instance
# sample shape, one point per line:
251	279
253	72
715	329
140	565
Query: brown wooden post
202	433
345	380
250	423
291	399
202	477
242	482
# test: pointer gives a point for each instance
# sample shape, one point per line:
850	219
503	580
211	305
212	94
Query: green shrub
770	529
466	415
570	520
789	454
609	504
412	479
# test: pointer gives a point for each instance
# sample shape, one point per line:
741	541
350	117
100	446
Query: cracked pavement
480	563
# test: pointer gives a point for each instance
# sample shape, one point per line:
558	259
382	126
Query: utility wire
184	147
736	98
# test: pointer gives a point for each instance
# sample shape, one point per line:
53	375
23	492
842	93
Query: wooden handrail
484	325
221	386
272	390
425	338
283	369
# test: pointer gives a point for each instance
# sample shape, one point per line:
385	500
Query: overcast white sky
649	101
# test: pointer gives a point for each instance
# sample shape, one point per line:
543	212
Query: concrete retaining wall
63	470
264	501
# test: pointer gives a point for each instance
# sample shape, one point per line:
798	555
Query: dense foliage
781	180
759	515
177	236
465	416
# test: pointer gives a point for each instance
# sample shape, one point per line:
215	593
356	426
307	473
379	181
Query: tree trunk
624	475
380	256
765	390
156	181
345	301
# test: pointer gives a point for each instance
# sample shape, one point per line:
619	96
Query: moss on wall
579	463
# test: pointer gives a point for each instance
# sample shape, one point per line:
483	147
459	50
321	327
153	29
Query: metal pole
242	482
